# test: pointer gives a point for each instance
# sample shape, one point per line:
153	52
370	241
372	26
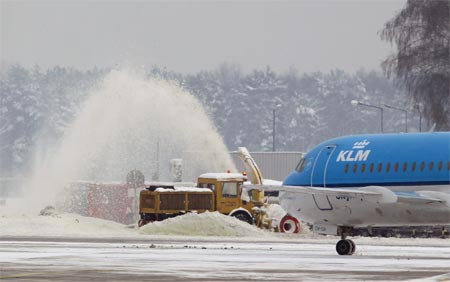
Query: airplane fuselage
413	166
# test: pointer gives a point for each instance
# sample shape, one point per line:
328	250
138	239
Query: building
273	165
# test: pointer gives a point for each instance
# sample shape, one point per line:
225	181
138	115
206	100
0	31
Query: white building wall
273	165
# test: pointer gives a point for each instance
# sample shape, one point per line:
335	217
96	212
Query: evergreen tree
421	32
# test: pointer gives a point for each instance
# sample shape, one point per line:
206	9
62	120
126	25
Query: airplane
370	180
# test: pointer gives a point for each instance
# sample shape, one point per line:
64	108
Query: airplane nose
292	179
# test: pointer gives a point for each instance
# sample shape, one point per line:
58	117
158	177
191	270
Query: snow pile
52	223
203	224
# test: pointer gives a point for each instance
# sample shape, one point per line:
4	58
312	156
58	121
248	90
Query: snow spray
130	122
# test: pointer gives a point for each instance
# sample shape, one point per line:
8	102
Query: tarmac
219	259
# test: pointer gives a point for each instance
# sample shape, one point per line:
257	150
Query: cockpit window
301	165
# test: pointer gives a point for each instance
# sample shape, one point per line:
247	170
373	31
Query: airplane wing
377	194
423	197
319	191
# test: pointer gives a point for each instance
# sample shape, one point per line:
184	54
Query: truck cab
230	196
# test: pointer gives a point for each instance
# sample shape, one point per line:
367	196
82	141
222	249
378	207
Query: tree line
37	106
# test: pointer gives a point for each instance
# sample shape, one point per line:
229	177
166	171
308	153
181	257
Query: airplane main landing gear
345	246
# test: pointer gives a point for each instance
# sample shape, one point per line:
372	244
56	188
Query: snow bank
53	224
56	224
204	224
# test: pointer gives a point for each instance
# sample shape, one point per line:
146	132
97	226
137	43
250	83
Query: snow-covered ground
201	247
227	260
53	223
60	225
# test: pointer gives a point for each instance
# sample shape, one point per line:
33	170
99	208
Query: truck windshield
301	165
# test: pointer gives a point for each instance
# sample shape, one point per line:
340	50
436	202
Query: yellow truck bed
163	201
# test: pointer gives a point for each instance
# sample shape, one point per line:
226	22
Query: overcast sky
188	36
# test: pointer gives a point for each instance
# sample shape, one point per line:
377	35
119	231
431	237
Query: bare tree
421	32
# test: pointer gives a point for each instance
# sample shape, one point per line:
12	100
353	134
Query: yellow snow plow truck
222	192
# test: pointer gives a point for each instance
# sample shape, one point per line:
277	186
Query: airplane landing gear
345	246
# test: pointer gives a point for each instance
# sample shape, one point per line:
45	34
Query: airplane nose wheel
345	247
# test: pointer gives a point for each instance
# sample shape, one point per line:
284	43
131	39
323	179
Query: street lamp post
419	108
273	126
358	103
420	121
398	109
273	131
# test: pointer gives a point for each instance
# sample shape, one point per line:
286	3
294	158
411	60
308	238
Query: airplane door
319	176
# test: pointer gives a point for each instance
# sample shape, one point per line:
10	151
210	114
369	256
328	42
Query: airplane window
440	166
301	165
346	168
448	165
371	167
405	166
355	167
422	166
388	167
380	167
363	167
430	166
396	167
413	166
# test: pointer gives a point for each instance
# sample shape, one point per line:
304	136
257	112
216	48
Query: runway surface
219	259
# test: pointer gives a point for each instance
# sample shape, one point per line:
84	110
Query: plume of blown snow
129	121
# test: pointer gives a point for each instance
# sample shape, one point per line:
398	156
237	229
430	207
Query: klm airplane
371	180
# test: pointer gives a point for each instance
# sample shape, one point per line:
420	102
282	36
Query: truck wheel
142	222
289	224
244	217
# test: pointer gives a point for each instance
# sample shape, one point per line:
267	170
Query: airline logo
355	155
361	145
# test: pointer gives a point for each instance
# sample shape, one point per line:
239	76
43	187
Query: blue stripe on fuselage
427	150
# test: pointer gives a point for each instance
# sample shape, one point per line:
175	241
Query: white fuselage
360	212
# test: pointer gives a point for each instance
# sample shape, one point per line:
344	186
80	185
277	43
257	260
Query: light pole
273	126
398	109
358	103
419	108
